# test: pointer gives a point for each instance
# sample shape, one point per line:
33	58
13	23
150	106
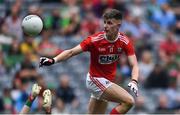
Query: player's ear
119	24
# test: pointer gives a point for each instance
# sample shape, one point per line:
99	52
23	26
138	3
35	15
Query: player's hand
44	61
47	99
35	90
133	87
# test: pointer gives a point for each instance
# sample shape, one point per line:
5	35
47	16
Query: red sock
114	112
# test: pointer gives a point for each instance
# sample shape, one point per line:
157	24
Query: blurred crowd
152	25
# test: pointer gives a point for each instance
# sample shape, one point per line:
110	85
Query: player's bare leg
97	106
47	101
117	94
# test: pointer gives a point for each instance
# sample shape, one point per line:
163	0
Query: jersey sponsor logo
108	59
102	49
107	82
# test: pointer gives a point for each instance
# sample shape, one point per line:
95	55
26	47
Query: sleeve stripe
97	38
123	39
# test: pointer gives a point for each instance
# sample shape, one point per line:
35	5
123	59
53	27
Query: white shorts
97	85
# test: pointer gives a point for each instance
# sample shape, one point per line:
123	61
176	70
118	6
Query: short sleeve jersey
104	55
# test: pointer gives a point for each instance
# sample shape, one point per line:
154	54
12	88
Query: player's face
111	26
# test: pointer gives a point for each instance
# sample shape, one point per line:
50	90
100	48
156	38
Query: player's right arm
85	45
66	54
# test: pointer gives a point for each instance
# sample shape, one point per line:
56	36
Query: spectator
7	101
140	107
14	56
162	105
65	92
177	27
120	5
53	21
140	28
5	38
28	69
173	94
35	10
41	81
168	48
136	8
98	6
14	22
152	8
1	106
51	1
2	65
158	78
19	95
59	107
164	13
124	67
146	65
46	47
137	27
29	46
70	17
127	25
90	24
20	92
161	2
74	25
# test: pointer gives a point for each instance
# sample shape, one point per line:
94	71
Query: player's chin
106	31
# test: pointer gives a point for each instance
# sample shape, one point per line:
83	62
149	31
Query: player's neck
111	38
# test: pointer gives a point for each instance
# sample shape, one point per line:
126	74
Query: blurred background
152	25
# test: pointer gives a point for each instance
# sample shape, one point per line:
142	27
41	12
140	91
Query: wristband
29	101
134	80
53	61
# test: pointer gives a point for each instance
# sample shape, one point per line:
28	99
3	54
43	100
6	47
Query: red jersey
104	54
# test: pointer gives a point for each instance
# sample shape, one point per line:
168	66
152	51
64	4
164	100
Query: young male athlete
105	50
47	100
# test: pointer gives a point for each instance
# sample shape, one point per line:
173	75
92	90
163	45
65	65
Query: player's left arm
133	84
135	69
129	50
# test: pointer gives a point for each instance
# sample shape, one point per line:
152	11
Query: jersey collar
110	40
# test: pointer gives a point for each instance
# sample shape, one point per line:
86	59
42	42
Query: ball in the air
32	25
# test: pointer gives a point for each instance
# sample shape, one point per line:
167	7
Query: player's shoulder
97	36
123	38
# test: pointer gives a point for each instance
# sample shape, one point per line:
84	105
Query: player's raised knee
130	101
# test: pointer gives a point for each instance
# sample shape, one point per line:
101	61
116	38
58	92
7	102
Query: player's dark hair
112	14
